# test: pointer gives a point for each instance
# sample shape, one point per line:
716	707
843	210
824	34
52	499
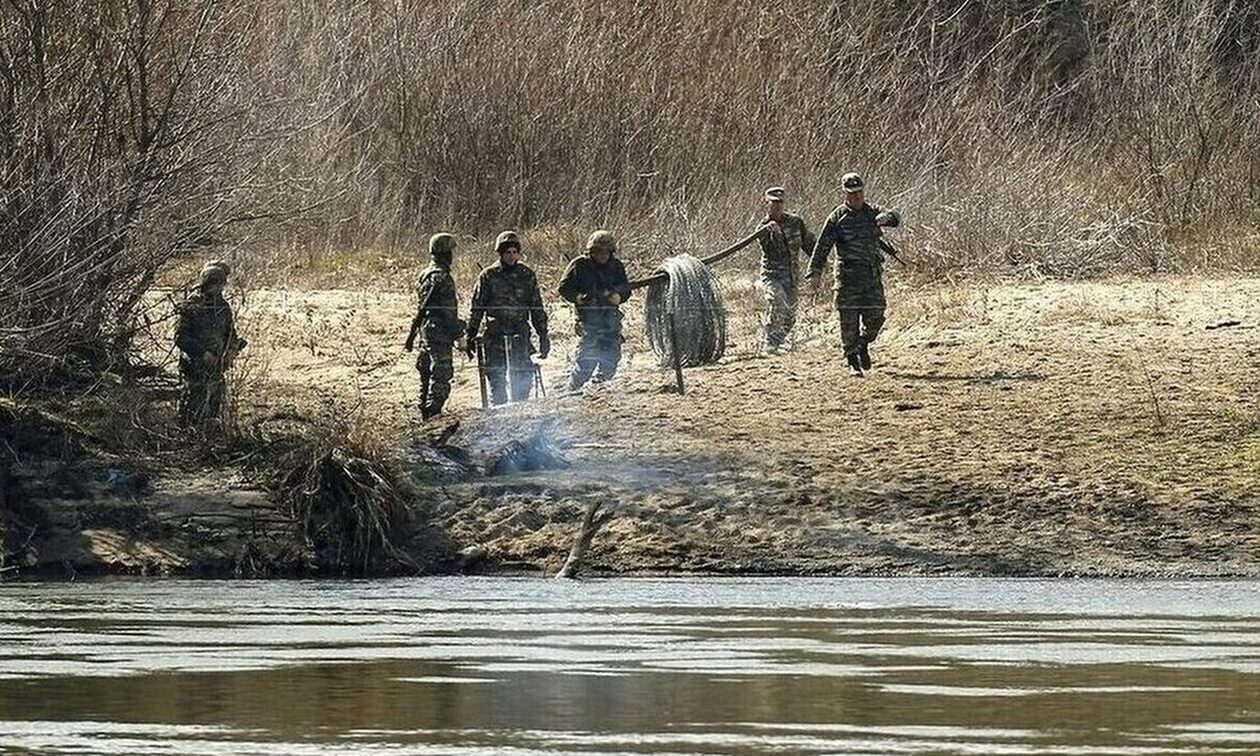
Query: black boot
864	357
855	365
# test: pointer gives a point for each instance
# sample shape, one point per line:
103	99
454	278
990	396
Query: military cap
215	271
776	194
441	245
507	239
601	240
852	182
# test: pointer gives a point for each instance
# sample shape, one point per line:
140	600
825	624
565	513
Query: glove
614	298
544	346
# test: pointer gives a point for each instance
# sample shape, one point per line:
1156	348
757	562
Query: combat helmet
507	239
441	247
601	239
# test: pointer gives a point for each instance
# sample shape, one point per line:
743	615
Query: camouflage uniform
206	335
859	268
587	285
508	299
438	324
779	273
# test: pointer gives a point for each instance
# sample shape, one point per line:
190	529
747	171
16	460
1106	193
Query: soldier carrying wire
788	240
596	285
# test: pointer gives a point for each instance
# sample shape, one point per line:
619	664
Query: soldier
506	295
438	325
596	285
207	337
788	239
854	228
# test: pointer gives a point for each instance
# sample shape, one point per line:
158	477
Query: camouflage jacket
587	284
437	307
855	235
508	299
779	251
205	324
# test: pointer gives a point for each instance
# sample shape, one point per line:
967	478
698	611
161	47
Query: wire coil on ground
691	293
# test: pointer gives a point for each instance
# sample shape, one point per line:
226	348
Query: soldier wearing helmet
854	228
507	300
596	285
786	239
206	337
437	324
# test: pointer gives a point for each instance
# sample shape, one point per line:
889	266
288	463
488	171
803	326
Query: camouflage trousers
436	366
780	315
598	354
509	370
201	397
860	303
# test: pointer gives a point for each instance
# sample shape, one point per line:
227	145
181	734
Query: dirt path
1085	428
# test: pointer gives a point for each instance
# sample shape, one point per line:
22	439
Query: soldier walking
507	298
596	285
854	228
438	325
205	334
788	239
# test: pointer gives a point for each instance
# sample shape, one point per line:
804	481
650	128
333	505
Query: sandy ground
1057	428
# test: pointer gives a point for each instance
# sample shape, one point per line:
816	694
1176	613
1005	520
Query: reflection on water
470	666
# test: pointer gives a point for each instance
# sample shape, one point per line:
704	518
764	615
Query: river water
714	666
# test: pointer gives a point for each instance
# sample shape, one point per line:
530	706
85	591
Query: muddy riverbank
1101	428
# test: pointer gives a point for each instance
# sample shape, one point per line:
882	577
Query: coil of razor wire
692	295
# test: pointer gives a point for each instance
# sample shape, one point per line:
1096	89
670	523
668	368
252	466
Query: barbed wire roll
691	293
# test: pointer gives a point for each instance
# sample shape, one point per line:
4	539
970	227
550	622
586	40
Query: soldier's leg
789	314
777	312
496	369
192	396
609	355
216	389
850	324
522	369
872	318
586	361
441	370
424	366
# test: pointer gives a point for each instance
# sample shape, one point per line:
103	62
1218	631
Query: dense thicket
1060	136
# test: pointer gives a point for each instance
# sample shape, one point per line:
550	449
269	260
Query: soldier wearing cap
438	325
596	285
205	334
787	239
507	299
854	228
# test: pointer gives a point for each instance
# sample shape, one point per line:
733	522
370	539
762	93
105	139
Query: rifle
892	252
481	373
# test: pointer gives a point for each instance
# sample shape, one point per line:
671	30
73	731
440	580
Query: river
712	666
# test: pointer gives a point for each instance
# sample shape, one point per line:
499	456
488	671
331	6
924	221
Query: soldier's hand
544	346
614	298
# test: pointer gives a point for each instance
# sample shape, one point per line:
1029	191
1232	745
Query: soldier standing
788	239
506	296
596	285
438	325
206	336
854	228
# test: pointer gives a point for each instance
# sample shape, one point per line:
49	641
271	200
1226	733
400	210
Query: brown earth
1099	428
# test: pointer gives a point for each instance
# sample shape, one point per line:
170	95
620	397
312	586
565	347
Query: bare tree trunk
592	521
